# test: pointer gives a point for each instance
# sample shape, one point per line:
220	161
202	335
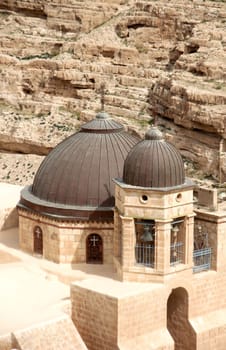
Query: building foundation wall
110	322
95	316
133	318
210	330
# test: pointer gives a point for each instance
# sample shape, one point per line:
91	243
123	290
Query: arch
94	249
177	320
38	240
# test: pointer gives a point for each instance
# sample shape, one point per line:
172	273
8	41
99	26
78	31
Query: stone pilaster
116	236
189	240
128	241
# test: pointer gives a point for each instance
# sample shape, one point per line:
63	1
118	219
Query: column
128	241
189	240
117	234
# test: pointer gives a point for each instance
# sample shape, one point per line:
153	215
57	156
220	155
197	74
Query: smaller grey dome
154	163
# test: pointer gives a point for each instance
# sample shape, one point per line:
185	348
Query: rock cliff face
159	60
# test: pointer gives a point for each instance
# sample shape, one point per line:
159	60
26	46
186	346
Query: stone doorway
94	249
177	320
38	240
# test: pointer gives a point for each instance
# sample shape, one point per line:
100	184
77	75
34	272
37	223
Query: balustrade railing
145	254
202	259
176	253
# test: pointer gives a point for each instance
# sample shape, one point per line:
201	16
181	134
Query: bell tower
153	213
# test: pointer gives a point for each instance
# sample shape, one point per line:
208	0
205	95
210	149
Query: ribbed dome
154	163
77	174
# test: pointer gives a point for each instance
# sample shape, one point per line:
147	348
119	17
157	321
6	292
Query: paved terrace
33	289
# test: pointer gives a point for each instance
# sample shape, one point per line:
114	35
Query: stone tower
153	212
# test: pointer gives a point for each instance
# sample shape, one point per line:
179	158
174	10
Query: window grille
145	242
144	254
202	259
176	253
177	242
202	252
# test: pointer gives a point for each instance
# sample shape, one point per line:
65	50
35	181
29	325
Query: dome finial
102	95
154	134
155	119
102	114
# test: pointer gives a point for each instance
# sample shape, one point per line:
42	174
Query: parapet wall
110	316
10	195
121	315
56	334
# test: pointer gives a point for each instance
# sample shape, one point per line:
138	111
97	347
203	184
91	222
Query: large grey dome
75	178
154	162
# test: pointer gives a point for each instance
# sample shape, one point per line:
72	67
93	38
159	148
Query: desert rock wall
159	61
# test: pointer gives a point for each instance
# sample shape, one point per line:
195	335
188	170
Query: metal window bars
202	253
145	254
176	253
202	259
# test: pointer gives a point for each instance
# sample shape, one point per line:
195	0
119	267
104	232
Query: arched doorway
38	240
94	249
177	320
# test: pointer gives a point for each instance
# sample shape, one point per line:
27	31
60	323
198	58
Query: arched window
38	240
94	249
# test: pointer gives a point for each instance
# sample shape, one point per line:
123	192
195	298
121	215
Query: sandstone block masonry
114	315
63	242
56	334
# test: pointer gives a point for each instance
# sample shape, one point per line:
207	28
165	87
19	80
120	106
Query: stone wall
95	317
193	303
10	195
8	218
108	322
163	207
64	242
212	224
55	334
132	315
212	335
159	204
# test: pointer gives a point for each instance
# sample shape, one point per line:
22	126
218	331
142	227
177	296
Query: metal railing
202	259
176	253
145	254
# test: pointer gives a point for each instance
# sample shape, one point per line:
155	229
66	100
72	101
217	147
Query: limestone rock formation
159	60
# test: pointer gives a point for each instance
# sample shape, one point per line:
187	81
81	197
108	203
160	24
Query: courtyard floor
28	294
33	289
